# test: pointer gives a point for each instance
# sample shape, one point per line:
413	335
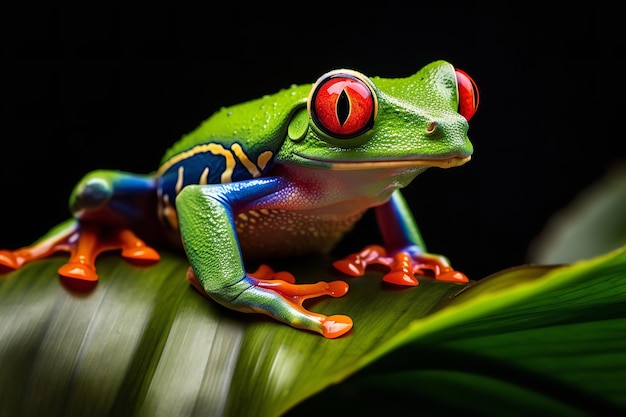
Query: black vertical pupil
343	107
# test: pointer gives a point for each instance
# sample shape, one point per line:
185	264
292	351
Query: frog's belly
275	233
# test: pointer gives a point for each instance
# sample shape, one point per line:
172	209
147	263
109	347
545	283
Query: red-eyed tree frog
283	175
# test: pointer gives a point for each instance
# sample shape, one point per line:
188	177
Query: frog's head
353	122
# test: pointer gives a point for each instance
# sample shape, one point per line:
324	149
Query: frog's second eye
342	104
468	94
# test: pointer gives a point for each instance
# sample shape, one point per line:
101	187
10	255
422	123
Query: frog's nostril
434	131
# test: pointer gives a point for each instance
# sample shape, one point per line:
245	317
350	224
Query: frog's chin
454	161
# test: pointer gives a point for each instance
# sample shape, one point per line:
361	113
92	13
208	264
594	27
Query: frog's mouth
450	162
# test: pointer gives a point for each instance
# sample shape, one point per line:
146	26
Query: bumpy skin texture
286	174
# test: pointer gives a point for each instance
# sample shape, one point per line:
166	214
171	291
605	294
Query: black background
87	88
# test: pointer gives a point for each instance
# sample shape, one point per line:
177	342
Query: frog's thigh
99	188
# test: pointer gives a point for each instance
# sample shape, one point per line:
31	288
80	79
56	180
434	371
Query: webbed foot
92	241
403	266
84	242
276	294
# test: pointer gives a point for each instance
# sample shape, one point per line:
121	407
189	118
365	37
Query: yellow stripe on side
218	149
264	158
215	149
204	176
252	169
179	180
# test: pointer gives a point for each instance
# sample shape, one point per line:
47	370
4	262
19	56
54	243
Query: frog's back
236	143
256	125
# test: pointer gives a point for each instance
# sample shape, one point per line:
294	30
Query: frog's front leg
206	217
406	255
105	204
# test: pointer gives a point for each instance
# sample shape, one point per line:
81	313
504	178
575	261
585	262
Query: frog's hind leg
84	242
105	205
108	204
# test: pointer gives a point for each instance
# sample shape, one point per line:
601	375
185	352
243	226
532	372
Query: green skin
292	187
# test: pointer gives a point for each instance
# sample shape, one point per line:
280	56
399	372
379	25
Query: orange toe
78	271
452	276
335	326
337	288
9	260
350	266
141	253
264	272
401	278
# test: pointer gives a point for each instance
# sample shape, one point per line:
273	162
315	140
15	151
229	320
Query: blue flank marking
193	168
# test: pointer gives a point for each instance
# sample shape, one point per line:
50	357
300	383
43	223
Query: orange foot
92	242
277	295
84	242
403	266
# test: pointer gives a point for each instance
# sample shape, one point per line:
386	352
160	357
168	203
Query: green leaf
145	343
533	339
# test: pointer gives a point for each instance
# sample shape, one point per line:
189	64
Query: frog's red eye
342	104
468	94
